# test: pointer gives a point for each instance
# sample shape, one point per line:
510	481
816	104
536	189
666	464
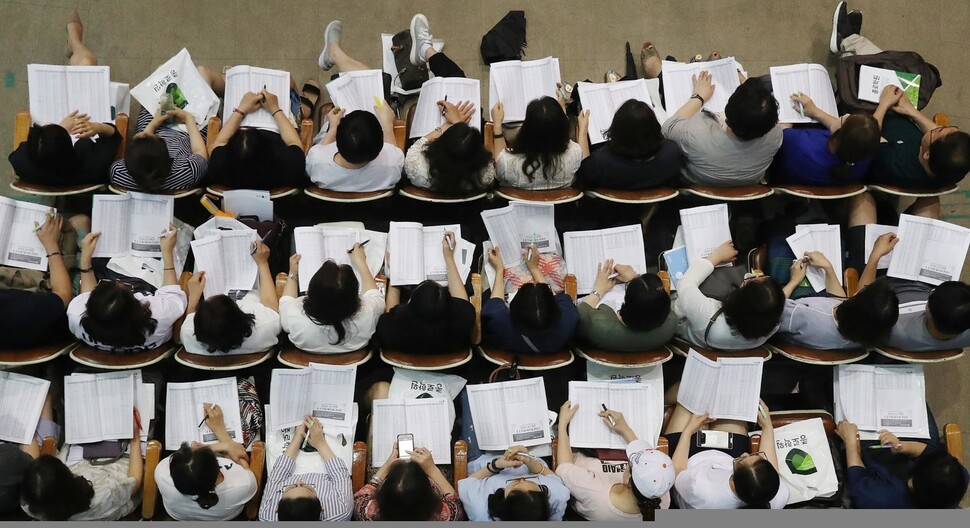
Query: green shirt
897	161
602	328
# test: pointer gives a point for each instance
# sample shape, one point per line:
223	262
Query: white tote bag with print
805	460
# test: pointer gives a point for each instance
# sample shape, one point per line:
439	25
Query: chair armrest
954	440
460	462
571	286
400	133
257	464
555	453
149	491
48	446
21	128
121	123
663	446
212	133
851	281
476	300
665	279
487	136
358	471
755	443
306	134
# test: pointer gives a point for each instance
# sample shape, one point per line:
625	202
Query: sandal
715	55
309	96
647	52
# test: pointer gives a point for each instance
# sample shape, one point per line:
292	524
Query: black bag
505	41
847	77
410	76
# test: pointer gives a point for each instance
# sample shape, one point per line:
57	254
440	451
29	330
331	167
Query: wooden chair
953	438
358	467
811	356
817	192
729	194
177	193
32	356
551	196
681	347
637	197
935	356
293	357
425	195
222	361
101	359
274	193
257	464
327	195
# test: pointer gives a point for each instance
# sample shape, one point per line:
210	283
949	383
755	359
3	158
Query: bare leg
80	55
862	210
217	82
731	426
678	421
928	207
343	61
650	61
377	391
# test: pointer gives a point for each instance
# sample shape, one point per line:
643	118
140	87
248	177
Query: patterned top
333	488
508	170
188	168
365	505
418	170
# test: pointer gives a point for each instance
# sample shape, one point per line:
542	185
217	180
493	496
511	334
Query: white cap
652	470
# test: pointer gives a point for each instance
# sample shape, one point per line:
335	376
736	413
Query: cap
652	470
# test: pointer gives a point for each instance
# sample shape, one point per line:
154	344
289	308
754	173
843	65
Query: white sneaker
420	37
330	35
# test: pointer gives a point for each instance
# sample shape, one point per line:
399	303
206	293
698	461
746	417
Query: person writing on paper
435	320
535	320
15	459
108	316
333	317
710	478
221	325
52	491
542	156
901	474
636	154
628	495
514	486
198	485
644	320
744	319
308	496
67	153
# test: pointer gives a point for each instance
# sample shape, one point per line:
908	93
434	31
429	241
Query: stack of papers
325	392
875	397
824	238
427	115
243	79
641	409
131	223
517	83
318	244
184	411
585	250
56	91
729	388
603	99
519	225
357	90
226	258
679	85
99	406
509	413
930	251
705	228
416	253
427	419
810	79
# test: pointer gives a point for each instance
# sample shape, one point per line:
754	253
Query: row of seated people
357	151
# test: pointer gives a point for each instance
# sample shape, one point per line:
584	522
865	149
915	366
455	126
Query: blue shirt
804	158
499	331
474	492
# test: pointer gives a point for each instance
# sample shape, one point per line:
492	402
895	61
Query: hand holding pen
888	440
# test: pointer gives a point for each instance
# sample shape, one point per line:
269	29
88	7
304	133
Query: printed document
56	91
243	79
824	238
875	397
517	225
930	251
637	401
99	406
678	83
517	83
226	258
810	79
729	388
416	253
585	250
427	419
325	392
131	223
705	228
510	413
21	401
184	411
428	116
603	99
19	245
357	90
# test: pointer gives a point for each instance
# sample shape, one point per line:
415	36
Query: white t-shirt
266	329
705	484
167	306
112	489
383	172
590	480
235	490
311	337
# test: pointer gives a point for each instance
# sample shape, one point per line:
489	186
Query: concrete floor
587	36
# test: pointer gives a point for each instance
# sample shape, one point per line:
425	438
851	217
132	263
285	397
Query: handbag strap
710	323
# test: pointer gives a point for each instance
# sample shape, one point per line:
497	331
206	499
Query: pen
306	437
169	232
445	106
138	422
612	421
205	416
378	103
524	453
450	244
261	241
801	107
882	446
362	244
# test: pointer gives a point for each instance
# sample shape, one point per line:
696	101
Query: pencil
261	241
362	244
306	437
612	421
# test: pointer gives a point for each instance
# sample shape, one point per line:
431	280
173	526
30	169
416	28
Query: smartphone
715	439
405	443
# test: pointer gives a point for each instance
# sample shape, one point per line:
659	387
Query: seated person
724	479
513	486
408	489
221	325
744	319
930	318
108	316
307	496
629	495
51	156
834	322
535	320
15	458
907	474
644	321
435	320
635	155
332	317
543	156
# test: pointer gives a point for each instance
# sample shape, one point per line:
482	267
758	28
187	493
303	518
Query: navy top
31	319
804	158
605	168
498	330
94	158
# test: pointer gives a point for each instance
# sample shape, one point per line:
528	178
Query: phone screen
405	443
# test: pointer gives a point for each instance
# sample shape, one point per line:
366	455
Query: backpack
506	40
847	77
410	76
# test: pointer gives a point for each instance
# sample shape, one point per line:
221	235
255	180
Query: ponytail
207	499
648	506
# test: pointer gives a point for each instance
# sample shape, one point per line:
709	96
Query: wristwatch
698	97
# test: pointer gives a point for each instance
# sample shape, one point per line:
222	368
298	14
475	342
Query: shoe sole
322	62
415	47
833	44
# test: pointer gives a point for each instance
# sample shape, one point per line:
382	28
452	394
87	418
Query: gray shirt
910	333
810	322
716	158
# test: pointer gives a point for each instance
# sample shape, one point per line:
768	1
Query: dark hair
221	325
647	505
755	308
534	309
939	481
50	148
756	484
949	306
406	494
543	137
646	303
148	162
456	161
950	156
519	505
114	317
635	131
248	155
429	301
856	140
331	297
299	509
52	492
868	317
359	137
194	472
752	111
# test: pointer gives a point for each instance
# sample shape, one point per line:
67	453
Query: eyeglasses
299	485
757	274
760	454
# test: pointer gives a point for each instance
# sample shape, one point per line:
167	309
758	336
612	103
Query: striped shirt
188	168
333	489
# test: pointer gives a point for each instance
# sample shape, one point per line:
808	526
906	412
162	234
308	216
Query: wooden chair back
257	464
149	490
176	193
100	359
223	361
33	356
551	196
730	194
641	197
953	438
932	356
328	195
811	356
816	192
681	347
293	357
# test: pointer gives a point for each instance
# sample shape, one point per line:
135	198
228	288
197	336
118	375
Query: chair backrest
149	490
730	194
641	196
816	192
257	464
400	133
100	359
223	361
954	440
358	471
550	196
459	459
34	356
293	357
306	134
681	347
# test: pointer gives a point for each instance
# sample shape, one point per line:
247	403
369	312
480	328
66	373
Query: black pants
442	66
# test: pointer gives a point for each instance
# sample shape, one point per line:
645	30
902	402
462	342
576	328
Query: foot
75	31
840	27
308	98
715	55
855	22
611	76
331	36
650	60
420	39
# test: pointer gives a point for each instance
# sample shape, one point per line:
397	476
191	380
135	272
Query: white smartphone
715	439
405	443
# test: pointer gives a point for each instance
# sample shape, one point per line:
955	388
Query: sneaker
855	22
330	36
420	37
840	27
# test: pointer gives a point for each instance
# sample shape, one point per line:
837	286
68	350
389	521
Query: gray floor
587	35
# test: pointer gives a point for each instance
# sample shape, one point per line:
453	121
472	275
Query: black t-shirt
13	464
31	318
605	168
94	159
403	330
278	165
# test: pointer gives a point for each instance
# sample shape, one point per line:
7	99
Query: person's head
756	481
195	470
754	309
522	499
868	317
651	474
148	162
752	111
456	161
646	303
114	317
937	481
299	502
406	494
50	148
949	307
544	136
52	492
946	151
635	131
220	325
534	309
247	153
430	301
359	137
331	297
856	140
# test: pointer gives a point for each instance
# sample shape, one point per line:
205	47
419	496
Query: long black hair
52	492
331	297
543	138
456	161
114	317
194	472
635	131
406	494
50	148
